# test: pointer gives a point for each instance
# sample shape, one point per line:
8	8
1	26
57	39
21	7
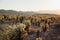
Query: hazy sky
30	5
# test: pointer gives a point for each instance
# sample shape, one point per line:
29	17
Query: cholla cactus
14	32
39	38
1	19
4	31
21	26
27	22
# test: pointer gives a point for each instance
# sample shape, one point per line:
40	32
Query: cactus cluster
33	27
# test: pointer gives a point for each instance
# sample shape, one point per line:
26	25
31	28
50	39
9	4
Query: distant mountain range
16	12
45	12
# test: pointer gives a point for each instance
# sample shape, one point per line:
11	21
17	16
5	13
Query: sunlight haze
30	5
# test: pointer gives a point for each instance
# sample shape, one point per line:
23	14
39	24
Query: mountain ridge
45	12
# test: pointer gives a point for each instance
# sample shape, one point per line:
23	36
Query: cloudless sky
30	5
